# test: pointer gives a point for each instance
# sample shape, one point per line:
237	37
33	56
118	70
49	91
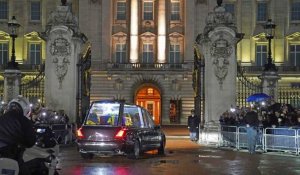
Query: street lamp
13	27
270	32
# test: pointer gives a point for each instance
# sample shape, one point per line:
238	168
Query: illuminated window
295	11
174	53
148	10
121	10
3	53
150	91
229	7
148	53
261	11
3	10
35	10
175	10
120	52
295	55
35	53
261	55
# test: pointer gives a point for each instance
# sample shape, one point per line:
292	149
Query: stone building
143	50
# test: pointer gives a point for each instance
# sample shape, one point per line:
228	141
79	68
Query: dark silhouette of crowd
270	115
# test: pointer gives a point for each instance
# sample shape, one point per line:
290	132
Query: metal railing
25	67
281	139
285	140
143	66
289	95
1	89
242	139
281	69
229	136
33	87
245	86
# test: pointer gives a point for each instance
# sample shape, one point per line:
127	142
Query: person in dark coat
193	125
16	132
252	122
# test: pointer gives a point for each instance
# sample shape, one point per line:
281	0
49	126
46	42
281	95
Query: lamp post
270	32
13	27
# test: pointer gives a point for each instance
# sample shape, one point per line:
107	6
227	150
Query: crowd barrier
268	139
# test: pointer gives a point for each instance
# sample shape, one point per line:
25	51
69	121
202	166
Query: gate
245	86
84	85
32	87
1	89
289	95
199	84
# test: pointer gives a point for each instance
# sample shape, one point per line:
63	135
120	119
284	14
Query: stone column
269	81
134	39
161	38
64	44
12	82
218	45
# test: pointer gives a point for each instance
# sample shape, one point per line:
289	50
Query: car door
151	135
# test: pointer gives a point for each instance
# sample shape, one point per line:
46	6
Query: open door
149	97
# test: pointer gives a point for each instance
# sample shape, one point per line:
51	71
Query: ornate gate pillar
269	82
218	45
64	45
12	82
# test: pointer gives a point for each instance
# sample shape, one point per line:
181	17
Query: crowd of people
269	115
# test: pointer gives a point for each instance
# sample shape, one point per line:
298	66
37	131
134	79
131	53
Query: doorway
148	96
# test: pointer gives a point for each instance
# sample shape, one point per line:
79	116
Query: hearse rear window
103	114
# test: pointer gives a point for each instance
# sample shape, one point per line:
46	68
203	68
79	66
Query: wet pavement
183	157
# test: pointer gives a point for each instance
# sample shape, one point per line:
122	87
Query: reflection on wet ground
180	160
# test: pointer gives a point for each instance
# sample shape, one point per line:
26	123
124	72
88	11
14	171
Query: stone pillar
218	45
12	82
134	32
64	44
269	81
161	38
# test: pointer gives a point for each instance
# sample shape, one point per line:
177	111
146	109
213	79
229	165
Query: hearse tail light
79	133
120	134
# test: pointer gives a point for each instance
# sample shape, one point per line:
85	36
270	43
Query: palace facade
142	51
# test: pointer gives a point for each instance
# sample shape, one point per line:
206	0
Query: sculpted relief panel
60	49
220	51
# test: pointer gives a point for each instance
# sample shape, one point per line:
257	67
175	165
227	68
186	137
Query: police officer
193	125
252	122
16	131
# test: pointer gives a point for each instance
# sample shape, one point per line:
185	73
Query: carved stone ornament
62	16
220	51
60	49
219	17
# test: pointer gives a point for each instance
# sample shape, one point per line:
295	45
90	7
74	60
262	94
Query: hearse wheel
135	154
161	149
